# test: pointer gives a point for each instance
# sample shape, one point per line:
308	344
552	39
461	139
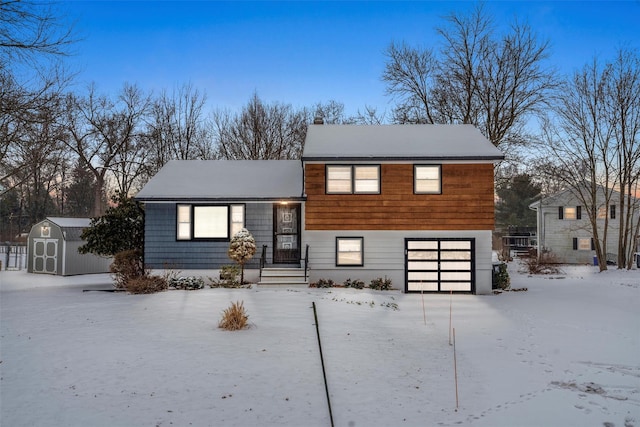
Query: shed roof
225	180
398	142
69	222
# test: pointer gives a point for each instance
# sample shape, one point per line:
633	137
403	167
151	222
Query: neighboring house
565	230
413	203
52	248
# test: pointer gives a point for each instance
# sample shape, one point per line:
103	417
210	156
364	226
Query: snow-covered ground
564	353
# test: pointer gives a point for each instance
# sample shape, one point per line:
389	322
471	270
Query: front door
286	234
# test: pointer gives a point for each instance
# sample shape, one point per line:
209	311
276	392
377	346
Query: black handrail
263	259
306	262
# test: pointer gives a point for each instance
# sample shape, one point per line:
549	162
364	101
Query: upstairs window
356	179
570	212
427	179
602	212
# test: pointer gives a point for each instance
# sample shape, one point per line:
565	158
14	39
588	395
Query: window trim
415	178
358	238
192	207
352	178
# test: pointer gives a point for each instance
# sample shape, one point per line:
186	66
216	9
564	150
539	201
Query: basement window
349	251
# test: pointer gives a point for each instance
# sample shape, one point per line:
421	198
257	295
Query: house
412	203
52	248
565	230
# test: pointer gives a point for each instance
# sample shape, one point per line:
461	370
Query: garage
53	248
440	265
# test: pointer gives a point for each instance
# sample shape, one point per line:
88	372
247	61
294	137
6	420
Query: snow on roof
225	179
398	142
70	222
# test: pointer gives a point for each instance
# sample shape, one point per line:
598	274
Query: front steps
283	276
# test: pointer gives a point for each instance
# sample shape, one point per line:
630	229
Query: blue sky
302	53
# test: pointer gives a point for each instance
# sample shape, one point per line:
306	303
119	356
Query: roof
225	180
397	142
70	222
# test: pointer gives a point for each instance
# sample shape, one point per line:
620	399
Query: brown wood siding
466	202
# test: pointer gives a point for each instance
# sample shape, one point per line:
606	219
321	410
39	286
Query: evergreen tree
515	196
121	228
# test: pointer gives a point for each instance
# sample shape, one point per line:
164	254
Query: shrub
546	263
355	283
234	317
323	283
501	277
241	249
188	283
381	284
126	265
146	285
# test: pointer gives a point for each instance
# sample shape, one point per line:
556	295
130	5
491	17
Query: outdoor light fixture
45	230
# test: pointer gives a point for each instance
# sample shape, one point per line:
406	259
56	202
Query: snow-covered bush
501	277
322	283
381	284
241	249
228	277
188	283
354	283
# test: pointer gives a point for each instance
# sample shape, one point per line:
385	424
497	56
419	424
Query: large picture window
349	251
208	221
353	179
427	179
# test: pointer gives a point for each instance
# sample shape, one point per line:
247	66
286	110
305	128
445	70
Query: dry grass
234	318
146	285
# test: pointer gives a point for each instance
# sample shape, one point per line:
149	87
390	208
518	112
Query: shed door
45	256
440	265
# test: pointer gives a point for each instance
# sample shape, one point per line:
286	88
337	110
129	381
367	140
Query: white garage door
440	265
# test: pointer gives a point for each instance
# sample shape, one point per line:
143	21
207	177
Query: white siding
384	255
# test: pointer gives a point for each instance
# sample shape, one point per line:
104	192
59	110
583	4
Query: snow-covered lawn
564	353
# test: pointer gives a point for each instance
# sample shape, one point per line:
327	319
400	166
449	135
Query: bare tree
260	131
494	82
103	132
177	128
623	112
592	142
29	29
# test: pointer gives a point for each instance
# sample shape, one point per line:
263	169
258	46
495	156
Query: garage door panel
454	244
422	244
455	275
423	275
423	255
455	255
423	265
455	265
455	286
423	286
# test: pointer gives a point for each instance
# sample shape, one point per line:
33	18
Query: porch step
283	276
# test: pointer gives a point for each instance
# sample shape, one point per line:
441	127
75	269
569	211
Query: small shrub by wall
126	265
381	284
187	283
146	285
354	283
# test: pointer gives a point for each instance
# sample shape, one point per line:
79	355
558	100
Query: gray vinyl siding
384	255
162	250
557	234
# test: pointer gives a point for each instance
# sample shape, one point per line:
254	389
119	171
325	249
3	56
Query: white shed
53	248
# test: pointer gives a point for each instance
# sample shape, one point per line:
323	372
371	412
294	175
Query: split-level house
410	203
564	229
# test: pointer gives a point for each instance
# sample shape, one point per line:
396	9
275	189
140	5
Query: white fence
13	256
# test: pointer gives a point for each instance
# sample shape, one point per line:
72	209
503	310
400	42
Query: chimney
318	120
